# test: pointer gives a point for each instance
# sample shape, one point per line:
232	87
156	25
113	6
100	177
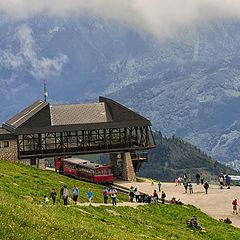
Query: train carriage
84	170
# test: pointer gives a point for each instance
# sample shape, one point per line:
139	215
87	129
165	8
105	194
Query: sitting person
194	223
175	201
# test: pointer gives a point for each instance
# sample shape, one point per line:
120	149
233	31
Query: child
46	200
89	195
190	187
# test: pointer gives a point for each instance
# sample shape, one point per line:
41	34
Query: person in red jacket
235	204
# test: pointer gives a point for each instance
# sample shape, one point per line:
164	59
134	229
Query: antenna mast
45	93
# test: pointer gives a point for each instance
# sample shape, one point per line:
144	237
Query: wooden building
44	130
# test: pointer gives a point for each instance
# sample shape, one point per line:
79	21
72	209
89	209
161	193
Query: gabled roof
42	117
24	115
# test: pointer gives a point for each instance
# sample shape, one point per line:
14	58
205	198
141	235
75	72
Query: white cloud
160	17
40	68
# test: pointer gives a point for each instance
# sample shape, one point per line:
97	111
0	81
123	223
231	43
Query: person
155	196
90	195
65	195
228	181
131	193
61	191
75	192
105	195
235	204
179	180
175	201
159	184
185	178
113	195
206	187
46	200
176	181
53	195
163	196
185	185
221	181
152	182
201	178
190	187
194	223
136	194
198	178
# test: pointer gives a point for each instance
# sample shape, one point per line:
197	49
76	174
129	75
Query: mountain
188	86
174	157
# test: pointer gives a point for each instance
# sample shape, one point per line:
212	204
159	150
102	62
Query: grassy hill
173	157
23	216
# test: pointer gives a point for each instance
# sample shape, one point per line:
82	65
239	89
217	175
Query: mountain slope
173	157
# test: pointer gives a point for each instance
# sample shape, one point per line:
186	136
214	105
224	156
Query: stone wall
123	166
128	170
9	151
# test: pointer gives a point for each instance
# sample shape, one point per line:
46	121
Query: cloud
159	17
40	68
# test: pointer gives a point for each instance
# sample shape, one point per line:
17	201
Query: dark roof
6	135
43	117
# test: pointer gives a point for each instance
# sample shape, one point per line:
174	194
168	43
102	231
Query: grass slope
22	216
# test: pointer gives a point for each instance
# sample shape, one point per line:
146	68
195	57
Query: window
6	144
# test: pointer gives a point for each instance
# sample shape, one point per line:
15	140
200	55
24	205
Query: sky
162	18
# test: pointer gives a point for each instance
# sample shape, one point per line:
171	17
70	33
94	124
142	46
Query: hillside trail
217	203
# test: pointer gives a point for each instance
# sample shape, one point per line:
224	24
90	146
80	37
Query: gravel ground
217	203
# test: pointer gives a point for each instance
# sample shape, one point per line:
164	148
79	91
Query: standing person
185	178
159	184
75	192
185	185
53	195
163	196
155	196
61	191
90	195
221	181
176	181
198	178
190	187
201	178
235	204
65	195
228	181
137	194
113	195
105	195
179	180
131	193
206	186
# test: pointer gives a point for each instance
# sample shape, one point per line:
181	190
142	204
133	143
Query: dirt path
217	203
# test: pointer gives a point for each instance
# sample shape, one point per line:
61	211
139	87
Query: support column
128	170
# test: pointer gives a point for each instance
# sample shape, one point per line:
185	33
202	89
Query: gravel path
217	203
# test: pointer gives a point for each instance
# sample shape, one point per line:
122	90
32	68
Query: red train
84	169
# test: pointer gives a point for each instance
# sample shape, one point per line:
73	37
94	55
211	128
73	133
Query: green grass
23	216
